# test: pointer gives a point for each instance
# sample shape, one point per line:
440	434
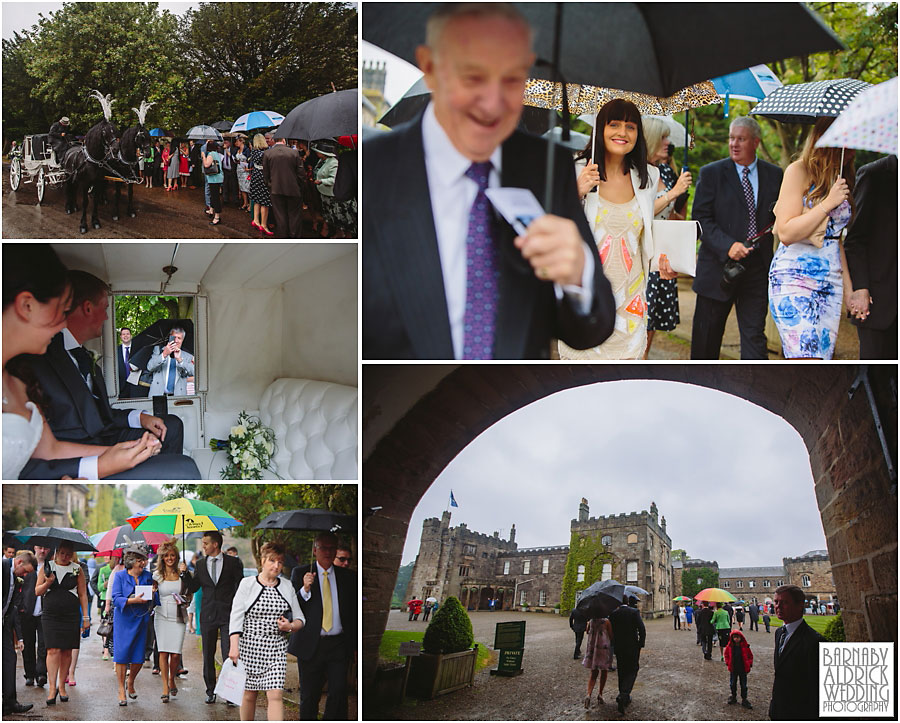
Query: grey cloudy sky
21	16
732	480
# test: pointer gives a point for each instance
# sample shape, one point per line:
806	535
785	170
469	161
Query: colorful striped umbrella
180	516
681	598
715	594
113	541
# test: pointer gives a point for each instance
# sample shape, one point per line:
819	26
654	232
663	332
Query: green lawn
816	622
390	644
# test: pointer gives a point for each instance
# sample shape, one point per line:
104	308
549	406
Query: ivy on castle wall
708	576
584	549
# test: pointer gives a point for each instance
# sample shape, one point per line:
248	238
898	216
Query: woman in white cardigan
620	213
264	613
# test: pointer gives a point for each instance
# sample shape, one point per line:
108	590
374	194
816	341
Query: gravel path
674	682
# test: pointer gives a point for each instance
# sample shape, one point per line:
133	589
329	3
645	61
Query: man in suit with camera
219	575
326	645
170	366
443	276
795	689
79	410
734	203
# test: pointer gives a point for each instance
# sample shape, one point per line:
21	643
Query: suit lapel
412	262
85	405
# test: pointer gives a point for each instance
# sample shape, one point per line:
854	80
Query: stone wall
818	568
53	503
549	583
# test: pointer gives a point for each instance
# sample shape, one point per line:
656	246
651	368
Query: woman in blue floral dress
808	279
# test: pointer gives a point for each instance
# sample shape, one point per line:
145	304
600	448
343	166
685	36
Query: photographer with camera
171	366
733	203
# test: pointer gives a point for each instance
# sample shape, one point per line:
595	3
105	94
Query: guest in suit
795	690
229	169
729	217
218	575
283	172
19	566
123	355
78	408
170	366
426	211
326	645
871	250
32	631
629	634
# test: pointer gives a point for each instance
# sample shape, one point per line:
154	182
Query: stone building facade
52	503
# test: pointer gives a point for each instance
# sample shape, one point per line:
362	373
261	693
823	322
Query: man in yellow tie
326	644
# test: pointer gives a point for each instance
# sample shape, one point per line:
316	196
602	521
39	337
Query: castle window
752	583
506	568
522	598
543	598
725	585
606	540
463	570
484	554
607	571
526	567
631	571
632	538
739	583
806	581
700	581
767	583
469	550
580	577
546	568
780	583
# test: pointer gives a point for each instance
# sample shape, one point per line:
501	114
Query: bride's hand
125	455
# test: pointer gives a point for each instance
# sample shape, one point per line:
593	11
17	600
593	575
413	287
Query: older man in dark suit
629	635
283	171
734	203
326	645
443	276
19	566
871	250
795	690
219	575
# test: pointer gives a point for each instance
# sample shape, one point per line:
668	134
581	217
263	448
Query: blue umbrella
752	84
257	119
159	132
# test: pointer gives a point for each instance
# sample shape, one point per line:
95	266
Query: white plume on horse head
142	111
105	102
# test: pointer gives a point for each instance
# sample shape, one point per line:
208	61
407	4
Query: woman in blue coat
131	616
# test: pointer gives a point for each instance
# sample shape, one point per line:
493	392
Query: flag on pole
453	500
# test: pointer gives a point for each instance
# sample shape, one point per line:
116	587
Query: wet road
160	214
95	696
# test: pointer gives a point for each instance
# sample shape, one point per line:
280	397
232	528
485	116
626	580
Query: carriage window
160	331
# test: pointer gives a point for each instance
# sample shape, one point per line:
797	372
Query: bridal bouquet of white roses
250	447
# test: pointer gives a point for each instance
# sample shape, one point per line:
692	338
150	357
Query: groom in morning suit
734	201
443	276
78	407
325	645
795	689
219	575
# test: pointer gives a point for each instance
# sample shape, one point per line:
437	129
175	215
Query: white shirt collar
322	569
448	163
69	341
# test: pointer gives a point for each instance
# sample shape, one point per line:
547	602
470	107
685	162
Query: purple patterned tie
751	204
481	272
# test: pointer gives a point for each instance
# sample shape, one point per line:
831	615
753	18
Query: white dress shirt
336	627
789	629
452	195
87	466
219	559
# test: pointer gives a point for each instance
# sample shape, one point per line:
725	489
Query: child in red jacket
739	659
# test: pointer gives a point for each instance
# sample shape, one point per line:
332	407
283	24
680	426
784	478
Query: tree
147	495
139	312
708	576
23	114
403	576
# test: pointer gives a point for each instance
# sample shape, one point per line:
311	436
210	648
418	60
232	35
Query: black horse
127	154
85	164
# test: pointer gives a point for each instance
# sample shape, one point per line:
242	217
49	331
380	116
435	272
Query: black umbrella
222	125
804	102
309	520
328	116
157	334
52	536
600	599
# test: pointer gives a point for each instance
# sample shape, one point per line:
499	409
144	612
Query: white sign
518	206
856	680
410	648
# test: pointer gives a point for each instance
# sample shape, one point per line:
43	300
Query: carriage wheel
15	173
41	182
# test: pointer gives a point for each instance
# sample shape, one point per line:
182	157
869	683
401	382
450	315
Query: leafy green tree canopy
139	312
707	575
147	495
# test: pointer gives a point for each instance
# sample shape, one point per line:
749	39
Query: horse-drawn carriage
36	162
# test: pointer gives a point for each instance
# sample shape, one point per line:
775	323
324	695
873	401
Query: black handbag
105	628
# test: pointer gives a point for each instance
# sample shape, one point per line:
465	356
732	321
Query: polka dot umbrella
804	102
869	122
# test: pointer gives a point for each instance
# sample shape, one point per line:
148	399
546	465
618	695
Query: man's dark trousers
706	641
287	215
579	637
330	663
9	662
230	185
33	632
628	664
208	637
711	314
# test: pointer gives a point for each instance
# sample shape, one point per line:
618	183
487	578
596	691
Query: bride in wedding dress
36	298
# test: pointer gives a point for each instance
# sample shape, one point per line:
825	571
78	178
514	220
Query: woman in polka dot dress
264	613
259	191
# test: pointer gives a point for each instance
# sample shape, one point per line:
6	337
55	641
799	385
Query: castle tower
512	533
583	510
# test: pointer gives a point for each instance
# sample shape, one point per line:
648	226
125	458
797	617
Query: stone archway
856	495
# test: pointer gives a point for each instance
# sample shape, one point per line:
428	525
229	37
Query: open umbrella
52	536
160	132
681	598
112	542
203	133
183	515
869	122
308	520
751	84
600	599
804	102
222	125
329	115
255	120
635	590
715	594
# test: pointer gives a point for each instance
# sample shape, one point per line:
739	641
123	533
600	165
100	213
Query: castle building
52	504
